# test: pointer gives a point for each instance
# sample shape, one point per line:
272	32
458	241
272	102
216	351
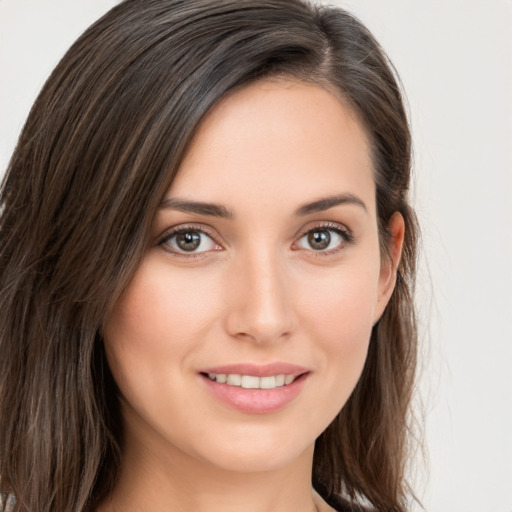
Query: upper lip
257	370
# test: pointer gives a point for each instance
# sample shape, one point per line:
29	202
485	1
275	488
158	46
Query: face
246	327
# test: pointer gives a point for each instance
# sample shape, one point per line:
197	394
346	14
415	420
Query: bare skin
265	252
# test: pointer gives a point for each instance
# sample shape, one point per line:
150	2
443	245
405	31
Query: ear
389	263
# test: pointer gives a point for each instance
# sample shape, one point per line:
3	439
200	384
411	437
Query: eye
189	240
324	238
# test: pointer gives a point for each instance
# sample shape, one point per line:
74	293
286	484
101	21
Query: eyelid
340	229
181	228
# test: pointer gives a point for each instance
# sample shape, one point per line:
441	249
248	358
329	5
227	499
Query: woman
207	256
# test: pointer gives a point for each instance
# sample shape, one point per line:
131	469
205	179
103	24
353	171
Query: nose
260	300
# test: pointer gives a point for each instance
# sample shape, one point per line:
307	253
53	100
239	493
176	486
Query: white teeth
234	379
251	381
267	382
280	380
288	379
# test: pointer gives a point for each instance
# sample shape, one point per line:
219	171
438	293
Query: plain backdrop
455	61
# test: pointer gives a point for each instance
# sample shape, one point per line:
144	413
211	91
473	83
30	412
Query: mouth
253	381
256	389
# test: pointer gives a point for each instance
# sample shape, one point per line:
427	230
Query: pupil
319	240
188	241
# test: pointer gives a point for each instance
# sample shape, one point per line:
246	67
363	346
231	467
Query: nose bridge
260	307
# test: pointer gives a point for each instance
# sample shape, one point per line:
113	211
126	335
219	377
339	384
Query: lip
256	401
258	370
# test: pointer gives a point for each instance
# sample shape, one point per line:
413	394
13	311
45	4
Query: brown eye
324	239
189	241
319	239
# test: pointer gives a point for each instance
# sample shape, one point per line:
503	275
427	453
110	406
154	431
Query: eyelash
346	236
163	242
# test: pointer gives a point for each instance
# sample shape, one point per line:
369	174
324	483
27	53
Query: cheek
344	331
159	307
156	324
341	304
338	314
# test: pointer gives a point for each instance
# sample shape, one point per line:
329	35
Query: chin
253	452
257	461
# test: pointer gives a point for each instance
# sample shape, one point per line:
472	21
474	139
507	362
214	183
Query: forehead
277	139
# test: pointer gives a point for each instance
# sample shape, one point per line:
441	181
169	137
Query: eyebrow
329	202
217	210
185	205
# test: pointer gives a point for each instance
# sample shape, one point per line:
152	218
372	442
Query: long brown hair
99	149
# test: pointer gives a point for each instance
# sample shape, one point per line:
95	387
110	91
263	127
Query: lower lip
256	401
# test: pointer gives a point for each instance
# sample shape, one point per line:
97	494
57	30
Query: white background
455	60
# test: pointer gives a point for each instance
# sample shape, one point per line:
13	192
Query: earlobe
390	262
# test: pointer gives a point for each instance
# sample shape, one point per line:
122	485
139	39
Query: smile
255	388
252	381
